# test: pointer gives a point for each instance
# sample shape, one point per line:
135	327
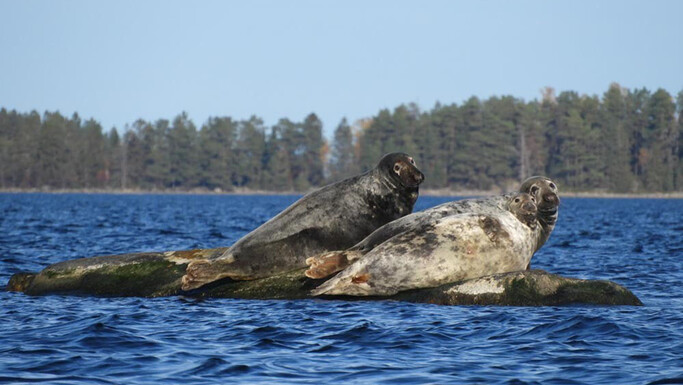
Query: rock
151	274
159	274
525	288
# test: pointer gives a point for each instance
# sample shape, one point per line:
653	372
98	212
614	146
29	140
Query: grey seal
334	217
543	189
454	248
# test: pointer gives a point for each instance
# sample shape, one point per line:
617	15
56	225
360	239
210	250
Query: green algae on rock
525	288
152	274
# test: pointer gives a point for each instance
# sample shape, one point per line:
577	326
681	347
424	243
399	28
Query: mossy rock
151	274
525	288
159	274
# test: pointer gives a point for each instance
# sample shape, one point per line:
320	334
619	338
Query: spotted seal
332	218
454	248
541	188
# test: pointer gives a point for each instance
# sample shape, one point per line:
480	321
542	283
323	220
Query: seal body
541	188
333	217
454	248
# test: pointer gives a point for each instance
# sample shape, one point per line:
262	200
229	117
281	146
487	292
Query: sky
118	61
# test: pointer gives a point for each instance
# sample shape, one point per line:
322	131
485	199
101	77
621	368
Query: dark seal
541	188
332	218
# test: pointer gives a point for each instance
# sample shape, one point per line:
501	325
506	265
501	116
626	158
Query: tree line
624	141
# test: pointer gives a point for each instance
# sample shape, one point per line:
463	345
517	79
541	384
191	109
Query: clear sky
117	61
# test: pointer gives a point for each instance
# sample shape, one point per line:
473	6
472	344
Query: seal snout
410	175
550	201
418	177
529	207
528	213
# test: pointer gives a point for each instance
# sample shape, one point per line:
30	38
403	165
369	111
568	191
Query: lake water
70	340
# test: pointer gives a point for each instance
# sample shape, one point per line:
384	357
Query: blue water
70	340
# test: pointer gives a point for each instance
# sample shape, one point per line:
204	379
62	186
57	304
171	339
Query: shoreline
424	192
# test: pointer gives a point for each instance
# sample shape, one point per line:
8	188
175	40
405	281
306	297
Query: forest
625	141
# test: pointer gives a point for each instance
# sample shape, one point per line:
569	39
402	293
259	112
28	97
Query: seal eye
552	185
534	189
516	200
397	167
412	161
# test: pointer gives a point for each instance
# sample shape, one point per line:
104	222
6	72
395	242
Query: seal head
544	190
400	168
399	172
523	206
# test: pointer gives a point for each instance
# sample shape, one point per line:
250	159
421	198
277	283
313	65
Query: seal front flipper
324	265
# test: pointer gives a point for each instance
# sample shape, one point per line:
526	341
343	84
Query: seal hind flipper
324	265
196	275
354	280
199	273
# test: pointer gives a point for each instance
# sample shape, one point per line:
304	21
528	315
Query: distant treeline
624	141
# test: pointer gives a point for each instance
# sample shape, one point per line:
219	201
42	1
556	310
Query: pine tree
661	141
615	138
468	169
636	109
289	147
342	162
111	174
499	141
436	143
250	151
182	144
91	155
158	169
278	172
312	132
53	159
7	138
532	144
217	158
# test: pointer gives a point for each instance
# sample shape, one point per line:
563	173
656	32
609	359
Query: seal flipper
355	281
324	265
199	273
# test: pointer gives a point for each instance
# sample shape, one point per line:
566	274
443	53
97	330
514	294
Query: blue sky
117	61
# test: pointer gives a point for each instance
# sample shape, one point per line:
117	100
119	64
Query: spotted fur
454	248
